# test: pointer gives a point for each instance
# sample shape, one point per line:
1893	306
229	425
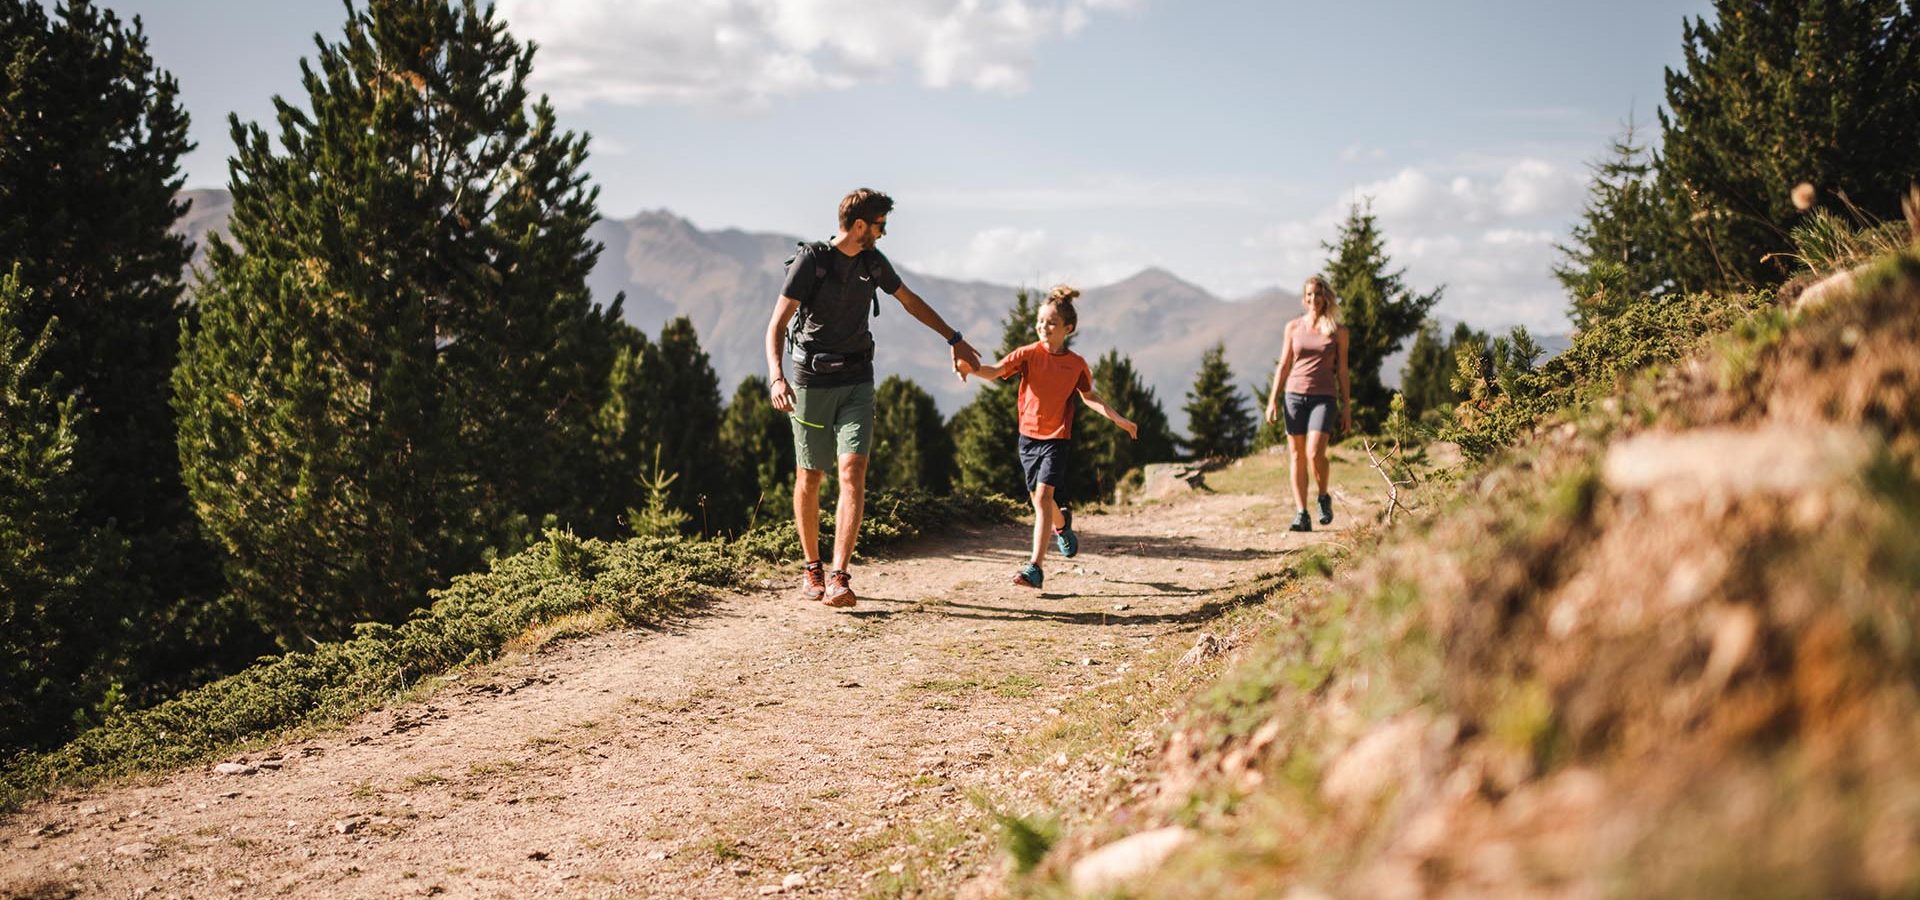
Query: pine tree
986	431
911	448
1219	425
1377	308
56	571
758	440
1615	256
394	366
1426	381
91	134
1105	452
624	429
1772	95
687	423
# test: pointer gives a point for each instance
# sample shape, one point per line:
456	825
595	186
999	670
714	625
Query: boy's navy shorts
1044	461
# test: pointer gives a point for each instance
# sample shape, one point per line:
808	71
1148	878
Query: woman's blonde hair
1325	323
1061	299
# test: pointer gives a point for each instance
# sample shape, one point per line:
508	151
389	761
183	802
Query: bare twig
1393	487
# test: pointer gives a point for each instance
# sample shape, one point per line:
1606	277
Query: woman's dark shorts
1044	462
1309	412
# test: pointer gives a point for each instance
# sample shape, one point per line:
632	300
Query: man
830	287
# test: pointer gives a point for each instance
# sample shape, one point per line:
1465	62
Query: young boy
1050	375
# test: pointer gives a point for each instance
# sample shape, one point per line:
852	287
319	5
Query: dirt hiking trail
761	745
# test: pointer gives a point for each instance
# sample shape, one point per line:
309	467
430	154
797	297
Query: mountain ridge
725	280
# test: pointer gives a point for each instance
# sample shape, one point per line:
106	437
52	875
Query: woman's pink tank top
1315	362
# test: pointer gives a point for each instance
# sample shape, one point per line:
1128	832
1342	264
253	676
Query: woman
1313	367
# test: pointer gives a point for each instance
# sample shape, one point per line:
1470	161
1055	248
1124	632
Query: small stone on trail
767	890
229	795
897	868
138	849
1089	661
344	826
229	768
539	856
847	683
1120	606
793	880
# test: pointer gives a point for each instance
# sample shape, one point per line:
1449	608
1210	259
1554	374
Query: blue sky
1037	140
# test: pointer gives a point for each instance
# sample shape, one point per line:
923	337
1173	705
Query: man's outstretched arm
963	352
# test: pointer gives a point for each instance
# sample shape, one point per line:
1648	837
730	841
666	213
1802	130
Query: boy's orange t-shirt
1048	382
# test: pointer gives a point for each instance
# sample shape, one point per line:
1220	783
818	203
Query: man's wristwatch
955	340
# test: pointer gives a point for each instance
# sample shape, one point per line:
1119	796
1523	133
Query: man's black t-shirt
834	315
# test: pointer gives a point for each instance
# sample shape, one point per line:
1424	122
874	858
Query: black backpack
814	253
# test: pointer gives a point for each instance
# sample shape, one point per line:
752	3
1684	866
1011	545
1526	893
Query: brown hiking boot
813	583
839	592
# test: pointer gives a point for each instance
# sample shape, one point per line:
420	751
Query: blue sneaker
1029	576
1063	537
1326	509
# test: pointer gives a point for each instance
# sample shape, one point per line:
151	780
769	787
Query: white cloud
748	52
1486	232
1100	193
1030	256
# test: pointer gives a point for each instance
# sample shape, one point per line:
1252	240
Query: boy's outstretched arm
1093	402
986	370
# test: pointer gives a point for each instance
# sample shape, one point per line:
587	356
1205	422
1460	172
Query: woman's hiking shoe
1063	537
839	592
1301	522
813	583
1029	576
1326	509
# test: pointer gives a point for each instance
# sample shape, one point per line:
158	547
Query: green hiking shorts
830	422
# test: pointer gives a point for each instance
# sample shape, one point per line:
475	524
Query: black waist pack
828	363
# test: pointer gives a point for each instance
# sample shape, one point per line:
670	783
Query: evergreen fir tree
624	427
1219	425
986	431
1426	381
1614	258
1775	94
687	422
758	440
394	367
911	448
1376	306
91	135
1266	434
1108	454
56	571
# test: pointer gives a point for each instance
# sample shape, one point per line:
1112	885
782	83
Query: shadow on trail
1175	548
1105	618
